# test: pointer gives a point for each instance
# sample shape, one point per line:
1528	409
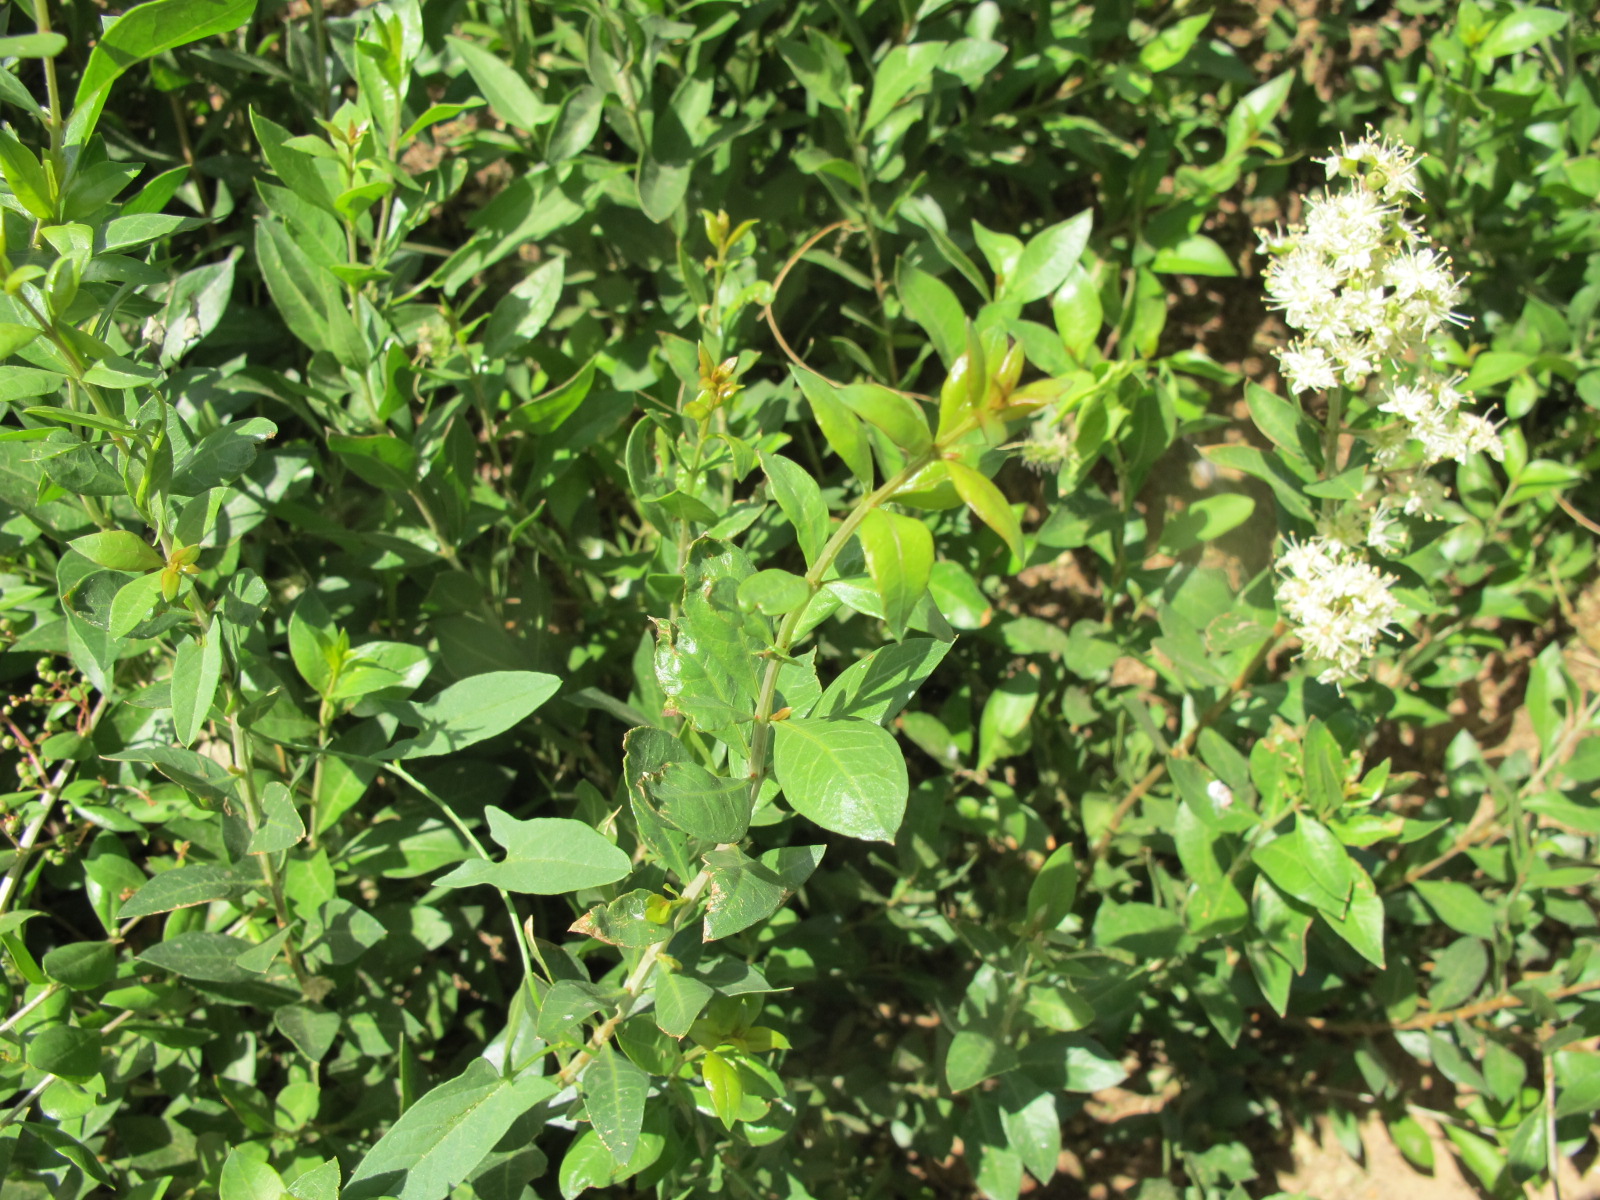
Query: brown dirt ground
1324	1171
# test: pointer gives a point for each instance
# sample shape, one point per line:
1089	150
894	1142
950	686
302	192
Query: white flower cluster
1366	291
1339	603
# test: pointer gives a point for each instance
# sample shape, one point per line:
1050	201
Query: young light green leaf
613	1092
900	418
545	856
439	1140
118	550
846	774
773	592
133	603
25	176
467	712
726	1088
986	500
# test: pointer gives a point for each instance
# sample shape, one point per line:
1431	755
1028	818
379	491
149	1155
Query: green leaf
679	1001
524	310
899	554
846	774
626	921
133	603
545	856
801	500
1053	890
974	1057
905	71
1521	29
1282	421
900	417
613	1092
839	425
65	1050
1078	312
1256	111
745	890
200	954
1031	1123
1460	906
81	965
1203	521
196	672
32	45
991	507
467	712
25	175
700	803
1325	858
14	337
143	32
505	90
1169	47
247	1178
931	304
877	687
1003	730
439	1140
301	171
281	827
706	663
726	1088
312	1030
382	460
118	550
319	1183
1361	922
1194	255
1049	258
182	887
1412	1141
773	592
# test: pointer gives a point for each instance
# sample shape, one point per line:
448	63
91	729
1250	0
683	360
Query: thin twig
777	284
1432	1020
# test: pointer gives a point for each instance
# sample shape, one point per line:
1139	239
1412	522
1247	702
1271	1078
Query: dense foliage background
786	495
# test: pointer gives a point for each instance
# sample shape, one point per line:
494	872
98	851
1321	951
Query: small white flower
1339	603
1307	368
1221	794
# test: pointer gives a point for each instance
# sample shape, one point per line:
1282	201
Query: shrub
713	598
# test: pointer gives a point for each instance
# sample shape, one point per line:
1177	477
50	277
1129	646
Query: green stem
55	123
319	32
243	763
